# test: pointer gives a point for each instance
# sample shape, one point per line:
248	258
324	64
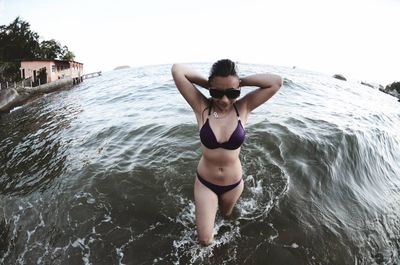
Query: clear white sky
357	38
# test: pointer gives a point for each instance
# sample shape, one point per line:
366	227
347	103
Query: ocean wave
103	174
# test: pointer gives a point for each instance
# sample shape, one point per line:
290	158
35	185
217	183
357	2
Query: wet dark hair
223	68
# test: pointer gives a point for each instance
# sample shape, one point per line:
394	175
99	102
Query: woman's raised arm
268	85
185	78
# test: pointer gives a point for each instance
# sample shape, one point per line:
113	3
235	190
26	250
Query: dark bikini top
208	139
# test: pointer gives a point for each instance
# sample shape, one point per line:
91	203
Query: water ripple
103	174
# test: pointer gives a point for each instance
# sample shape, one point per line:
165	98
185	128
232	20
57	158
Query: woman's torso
219	165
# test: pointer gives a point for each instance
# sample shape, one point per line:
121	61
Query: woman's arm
268	85
185	78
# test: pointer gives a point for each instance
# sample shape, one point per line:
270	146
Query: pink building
50	70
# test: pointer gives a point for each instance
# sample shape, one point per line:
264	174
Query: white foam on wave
46	248
29	246
253	207
120	250
186	248
31	232
85	249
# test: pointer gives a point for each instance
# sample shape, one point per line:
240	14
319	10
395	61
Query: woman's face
222	83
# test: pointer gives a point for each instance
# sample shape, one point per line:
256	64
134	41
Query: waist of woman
220	172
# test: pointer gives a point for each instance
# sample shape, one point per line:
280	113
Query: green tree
50	49
69	56
17	42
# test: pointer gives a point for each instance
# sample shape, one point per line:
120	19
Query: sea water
103	173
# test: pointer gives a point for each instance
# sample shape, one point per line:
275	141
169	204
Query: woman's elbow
177	68
276	84
174	67
279	81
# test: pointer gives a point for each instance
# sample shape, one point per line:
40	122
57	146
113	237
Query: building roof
50	60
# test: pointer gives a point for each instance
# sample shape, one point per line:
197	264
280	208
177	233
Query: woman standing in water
221	121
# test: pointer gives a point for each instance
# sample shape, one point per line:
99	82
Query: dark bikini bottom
218	189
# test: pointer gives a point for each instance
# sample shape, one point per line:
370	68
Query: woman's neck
220	113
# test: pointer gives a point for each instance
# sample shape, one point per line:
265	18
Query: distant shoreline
121	67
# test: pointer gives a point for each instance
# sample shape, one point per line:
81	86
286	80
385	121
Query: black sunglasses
231	93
